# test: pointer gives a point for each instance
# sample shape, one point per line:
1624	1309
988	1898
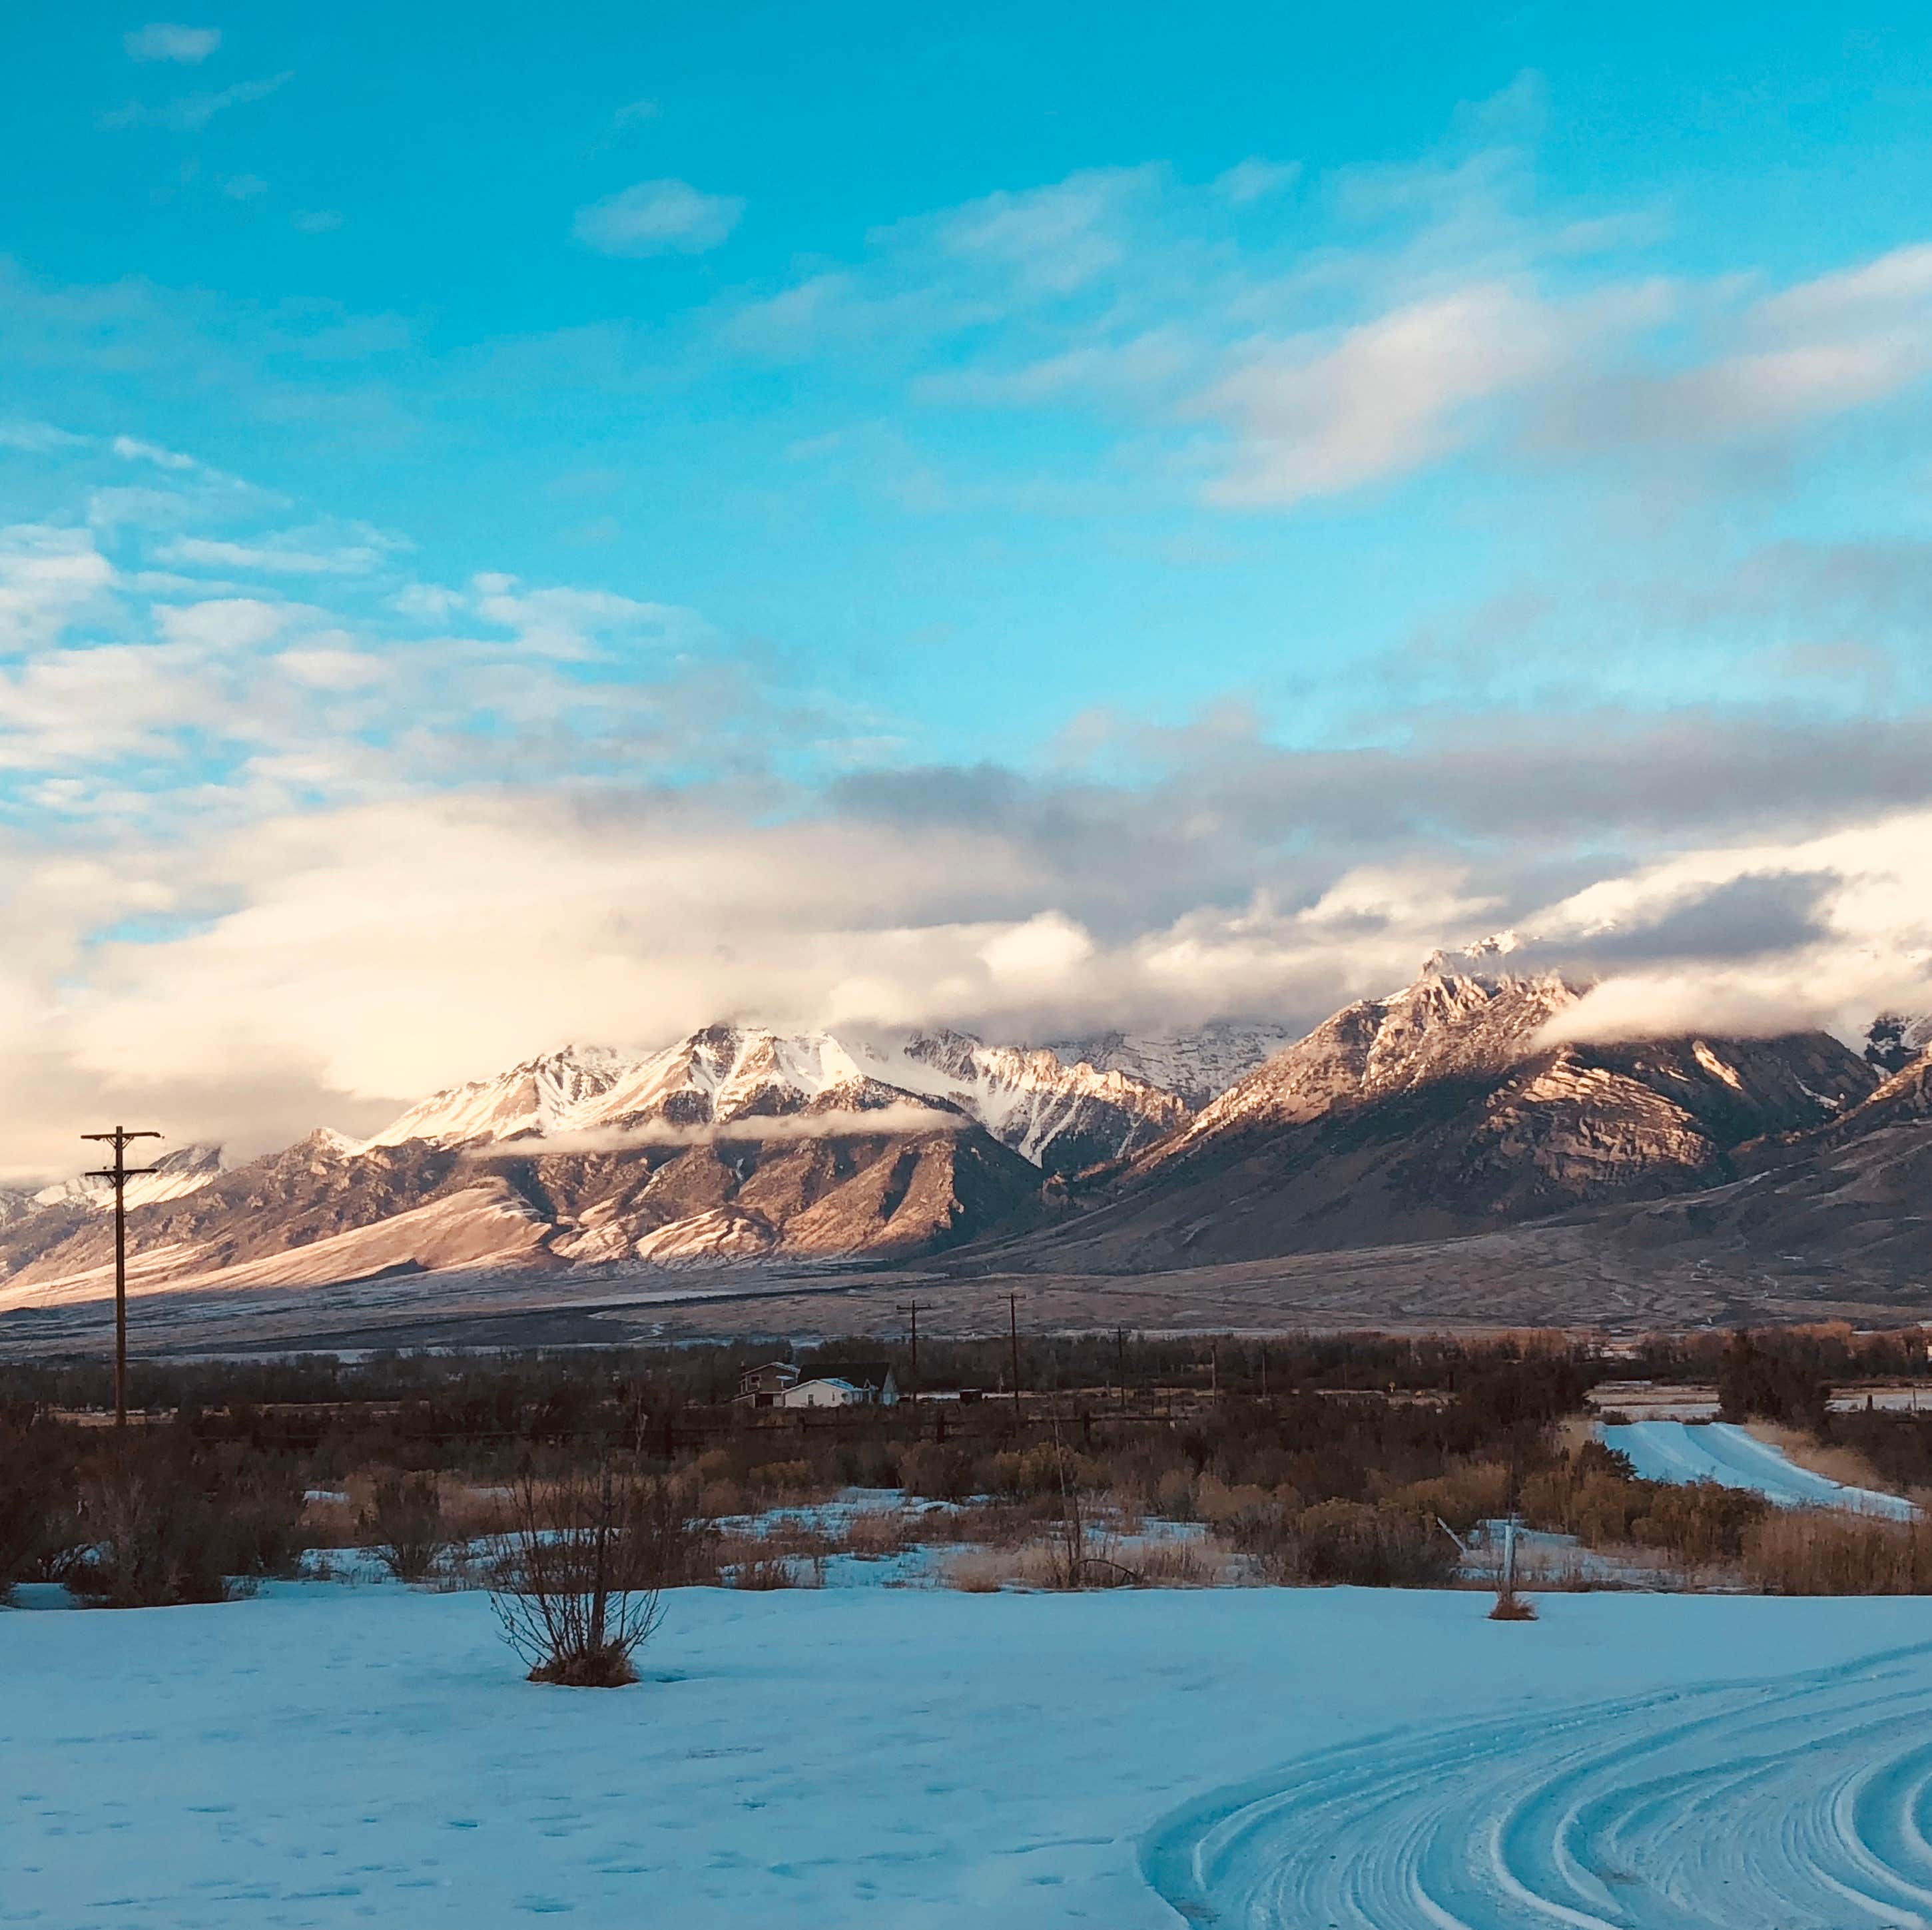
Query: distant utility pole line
117	1175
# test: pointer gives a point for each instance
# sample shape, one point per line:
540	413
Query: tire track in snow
1801	1804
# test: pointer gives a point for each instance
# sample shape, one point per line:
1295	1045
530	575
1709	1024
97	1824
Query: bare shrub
154	1539
937	1473
577	1580
1469	1492
1362	1544
1173	1496
403	1523
1511	1607
39	1530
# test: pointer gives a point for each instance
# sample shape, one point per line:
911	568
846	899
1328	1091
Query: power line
117	1175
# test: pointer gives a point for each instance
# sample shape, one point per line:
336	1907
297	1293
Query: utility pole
1013	1341
117	1175
912	1307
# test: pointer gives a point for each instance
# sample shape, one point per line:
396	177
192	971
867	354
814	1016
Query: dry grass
1041	1563
986	1571
788	1555
875	1536
1511	1607
1823	1551
472	1511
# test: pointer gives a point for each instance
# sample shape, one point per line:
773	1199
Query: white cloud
164	40
131	449
48	576
1872	949
223	623
37	438
1053	239
659	217
373	953
1255	179
190	113
562	623
277	556
1391	395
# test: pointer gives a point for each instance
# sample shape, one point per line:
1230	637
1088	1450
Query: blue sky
1149	470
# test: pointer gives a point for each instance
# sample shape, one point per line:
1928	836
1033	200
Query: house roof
855	1373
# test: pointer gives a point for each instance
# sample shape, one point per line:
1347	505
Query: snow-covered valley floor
330	1755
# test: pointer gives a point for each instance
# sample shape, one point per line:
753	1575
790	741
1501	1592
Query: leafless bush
39	1531
403	1523
1511	1607
1360	1543
154	1539
577	1580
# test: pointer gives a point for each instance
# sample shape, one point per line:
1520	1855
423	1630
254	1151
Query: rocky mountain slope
1446	1110
329	1210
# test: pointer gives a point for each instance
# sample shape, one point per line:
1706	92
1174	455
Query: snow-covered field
1674	1451
326	1755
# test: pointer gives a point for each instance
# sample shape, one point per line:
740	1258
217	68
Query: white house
845	1383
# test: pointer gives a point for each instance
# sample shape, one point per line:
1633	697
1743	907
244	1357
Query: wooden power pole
117	1175
911	1306
1013	1341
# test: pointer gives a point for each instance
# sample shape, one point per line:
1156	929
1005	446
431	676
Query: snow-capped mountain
734	1143
1897	1038
1056	1116
1442	1110
540	1096
185	1169
1195	1066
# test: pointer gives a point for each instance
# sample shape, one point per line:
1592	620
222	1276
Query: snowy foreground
1673	1451
329	1755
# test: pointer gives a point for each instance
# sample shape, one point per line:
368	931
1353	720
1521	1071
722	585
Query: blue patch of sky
362	291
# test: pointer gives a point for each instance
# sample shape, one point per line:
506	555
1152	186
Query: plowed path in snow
1802	1804
1673	1450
